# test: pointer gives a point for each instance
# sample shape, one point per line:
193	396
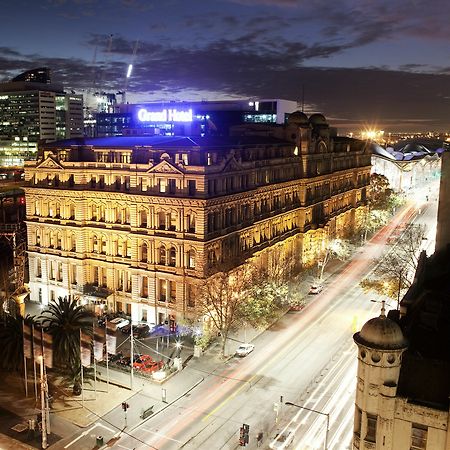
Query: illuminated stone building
138	222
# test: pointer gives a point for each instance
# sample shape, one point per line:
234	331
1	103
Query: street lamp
327	415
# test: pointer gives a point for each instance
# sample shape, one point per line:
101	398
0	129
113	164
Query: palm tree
11	337
64	319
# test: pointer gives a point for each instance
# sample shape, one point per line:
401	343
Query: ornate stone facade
138	222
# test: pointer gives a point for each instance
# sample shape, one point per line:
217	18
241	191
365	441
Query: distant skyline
362	63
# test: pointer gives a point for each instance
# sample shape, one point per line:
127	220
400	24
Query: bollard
99	441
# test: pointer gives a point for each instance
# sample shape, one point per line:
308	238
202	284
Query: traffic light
125	406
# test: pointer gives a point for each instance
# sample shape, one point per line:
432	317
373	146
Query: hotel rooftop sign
166	115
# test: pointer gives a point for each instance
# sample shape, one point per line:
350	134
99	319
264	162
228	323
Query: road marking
161	435
85	433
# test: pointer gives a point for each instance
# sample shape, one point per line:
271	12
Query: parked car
315	289
126	329
120	322
152	366
141	330
141	361
244	349
124	361
283	439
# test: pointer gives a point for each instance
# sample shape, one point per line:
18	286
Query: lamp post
327	415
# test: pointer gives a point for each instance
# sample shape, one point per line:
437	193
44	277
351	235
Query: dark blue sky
360	62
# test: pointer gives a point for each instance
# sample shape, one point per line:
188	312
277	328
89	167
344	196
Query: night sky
383	63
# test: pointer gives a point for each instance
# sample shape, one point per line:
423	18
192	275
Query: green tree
336	249
64	319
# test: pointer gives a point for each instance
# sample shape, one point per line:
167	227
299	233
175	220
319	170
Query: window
144	252
161	220
172	257
143	218
73	274
127	183
191	259
144	315
162	290
59	271
172	291
190	223
172	186
162	256
51	274
172	222
191	187
38	268
144	292
162	185
371	435
418	437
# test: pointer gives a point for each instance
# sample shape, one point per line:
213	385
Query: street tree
395	270
64	319
220	299
340	249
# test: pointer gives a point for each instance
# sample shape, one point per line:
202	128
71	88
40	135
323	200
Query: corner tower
380	347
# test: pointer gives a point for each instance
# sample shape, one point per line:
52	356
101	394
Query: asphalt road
307	358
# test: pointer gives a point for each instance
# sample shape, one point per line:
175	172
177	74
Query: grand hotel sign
166	115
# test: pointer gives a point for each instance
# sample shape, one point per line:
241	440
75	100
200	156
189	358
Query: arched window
191	259
172	257
38	238
162	256
144	252
71	212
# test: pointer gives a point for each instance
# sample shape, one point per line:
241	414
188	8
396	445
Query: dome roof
298	118
381	333
318	119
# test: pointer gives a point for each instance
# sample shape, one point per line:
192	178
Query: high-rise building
33	110
137	222
403	381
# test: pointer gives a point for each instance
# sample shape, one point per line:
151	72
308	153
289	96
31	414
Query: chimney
443	217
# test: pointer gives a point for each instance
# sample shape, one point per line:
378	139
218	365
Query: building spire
383	309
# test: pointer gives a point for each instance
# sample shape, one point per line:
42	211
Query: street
307	358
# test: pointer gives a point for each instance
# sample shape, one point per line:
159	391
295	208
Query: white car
120	322
283	439
244	349
315	289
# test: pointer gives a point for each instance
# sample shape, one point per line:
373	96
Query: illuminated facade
32	110
138	222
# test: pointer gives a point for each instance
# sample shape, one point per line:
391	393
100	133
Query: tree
379	191
395	271
64	319
336	249
220	299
